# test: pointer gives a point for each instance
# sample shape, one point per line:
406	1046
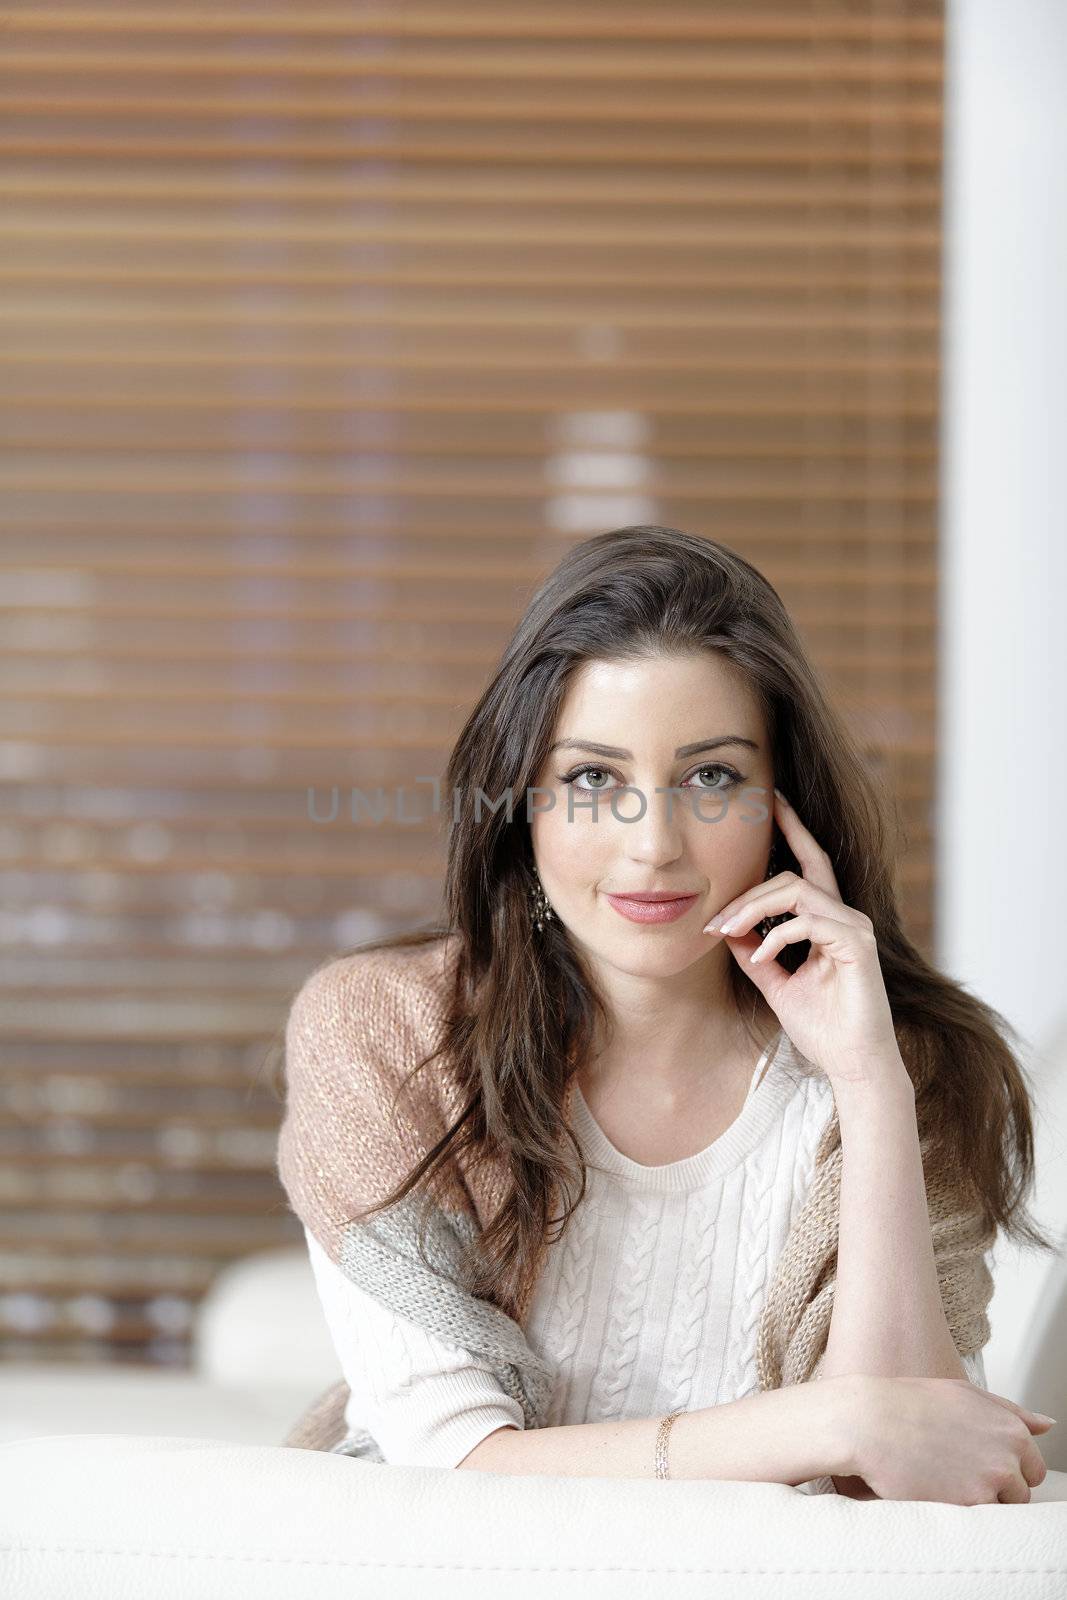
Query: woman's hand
937	1439
834	1007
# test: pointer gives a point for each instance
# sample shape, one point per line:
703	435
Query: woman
786	1141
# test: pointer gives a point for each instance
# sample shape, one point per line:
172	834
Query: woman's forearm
888	1319
786	1435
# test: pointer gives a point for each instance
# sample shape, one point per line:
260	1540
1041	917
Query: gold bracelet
661	1444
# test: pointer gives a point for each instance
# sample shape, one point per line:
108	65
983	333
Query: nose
653	835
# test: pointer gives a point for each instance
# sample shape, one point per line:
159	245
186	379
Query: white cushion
42	1397
261	1324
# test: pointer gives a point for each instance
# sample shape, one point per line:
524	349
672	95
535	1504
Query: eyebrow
682	750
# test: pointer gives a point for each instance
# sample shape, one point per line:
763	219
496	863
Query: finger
777	896
840	940
1036	1421
814	861
1032	1464
1014	1491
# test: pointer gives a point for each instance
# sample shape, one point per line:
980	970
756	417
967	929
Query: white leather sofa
120	1483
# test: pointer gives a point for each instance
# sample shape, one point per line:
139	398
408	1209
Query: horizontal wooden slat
173	1017
123	1277
488	60
917	407
760	149
27	1165
914	538
697	109
150	1235
756	366
866	192
881	613
248	1192
740	327
111	1076
604	22
832	283
159	693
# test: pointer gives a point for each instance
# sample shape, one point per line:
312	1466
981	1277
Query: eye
731	776
580	772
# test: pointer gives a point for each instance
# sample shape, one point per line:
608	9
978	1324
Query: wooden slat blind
324	332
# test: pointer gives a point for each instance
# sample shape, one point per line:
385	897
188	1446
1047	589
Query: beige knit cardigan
358	1024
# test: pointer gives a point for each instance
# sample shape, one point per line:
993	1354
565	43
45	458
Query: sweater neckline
762	1105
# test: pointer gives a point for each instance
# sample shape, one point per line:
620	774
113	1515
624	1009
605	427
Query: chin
642	957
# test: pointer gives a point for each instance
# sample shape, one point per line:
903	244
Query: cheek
731	844
751	850
567	848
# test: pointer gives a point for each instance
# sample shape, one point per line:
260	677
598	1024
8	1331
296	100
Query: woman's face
709	839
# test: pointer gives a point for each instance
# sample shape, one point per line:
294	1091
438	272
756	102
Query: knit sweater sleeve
426	1402
338	1142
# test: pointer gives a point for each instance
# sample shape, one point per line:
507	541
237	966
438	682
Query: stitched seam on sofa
470	1566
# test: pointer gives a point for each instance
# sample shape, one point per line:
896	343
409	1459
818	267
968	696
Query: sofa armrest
190	1519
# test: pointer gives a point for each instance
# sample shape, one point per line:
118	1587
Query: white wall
1002	869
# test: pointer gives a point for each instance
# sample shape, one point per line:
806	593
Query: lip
652	907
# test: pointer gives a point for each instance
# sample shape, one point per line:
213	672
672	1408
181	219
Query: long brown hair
523	1010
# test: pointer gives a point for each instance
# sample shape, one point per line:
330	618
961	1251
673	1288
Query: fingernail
1041	1417
713	926
781	797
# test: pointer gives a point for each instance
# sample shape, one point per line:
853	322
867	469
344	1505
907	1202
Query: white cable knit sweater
650	1303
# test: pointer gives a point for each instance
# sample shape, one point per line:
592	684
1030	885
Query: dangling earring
540	910
767	923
